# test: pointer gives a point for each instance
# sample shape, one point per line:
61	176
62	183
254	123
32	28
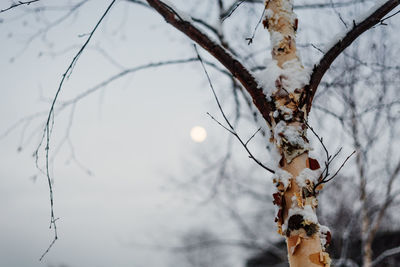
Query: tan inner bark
309	245
303	250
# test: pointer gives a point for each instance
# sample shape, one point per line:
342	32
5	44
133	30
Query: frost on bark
297	174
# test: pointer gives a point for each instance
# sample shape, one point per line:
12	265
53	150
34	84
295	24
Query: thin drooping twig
20	3
43	31
341	166
358	28
329	159
251	137
230	11
231	129
250	39
325	178
134	70
382	21
327	154
338	14
49	126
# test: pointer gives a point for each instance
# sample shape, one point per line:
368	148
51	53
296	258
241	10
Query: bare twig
329	159
250	39
388	17
49	126
385	254
231	9
341	166
49	26
19	3
251	137
231	129
338	14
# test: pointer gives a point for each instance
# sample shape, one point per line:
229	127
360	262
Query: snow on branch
369	20
184	24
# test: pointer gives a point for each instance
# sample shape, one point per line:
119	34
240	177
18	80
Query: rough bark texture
296	199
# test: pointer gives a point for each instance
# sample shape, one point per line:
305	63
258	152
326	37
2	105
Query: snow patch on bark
283	177
290	77
291	133
308	174
307	212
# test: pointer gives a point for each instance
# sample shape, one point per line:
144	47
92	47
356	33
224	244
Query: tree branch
49	124
385	254
232	8
231	129
18	4
220	53
330	56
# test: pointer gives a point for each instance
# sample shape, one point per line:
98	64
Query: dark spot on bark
278	83
314	165
277	199
296	222
279	216
265	23
328	239
311	229
282	161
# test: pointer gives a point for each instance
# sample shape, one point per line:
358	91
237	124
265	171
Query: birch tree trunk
298	174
